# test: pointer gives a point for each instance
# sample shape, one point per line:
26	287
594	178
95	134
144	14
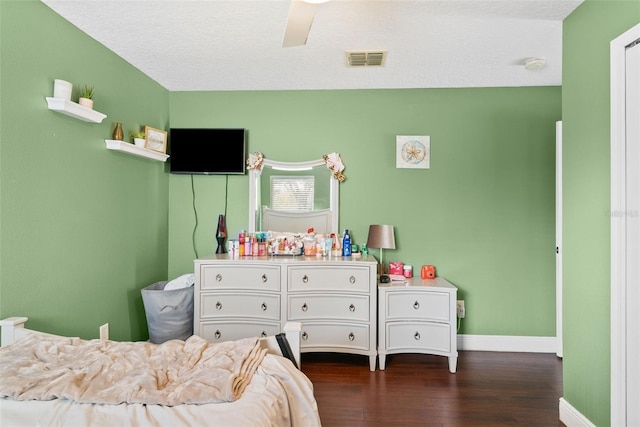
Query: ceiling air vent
366	58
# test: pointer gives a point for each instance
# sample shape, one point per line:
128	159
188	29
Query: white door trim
618	228
559	239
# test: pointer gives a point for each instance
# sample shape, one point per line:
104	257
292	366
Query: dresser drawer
228	331
328	278
418	305
339	307
325	337
418	335
263	306
246	277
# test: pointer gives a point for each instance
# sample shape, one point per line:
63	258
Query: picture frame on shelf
413	151
155	139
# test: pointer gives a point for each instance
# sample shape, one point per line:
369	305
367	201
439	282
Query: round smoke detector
533	64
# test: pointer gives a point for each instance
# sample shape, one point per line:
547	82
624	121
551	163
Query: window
292	193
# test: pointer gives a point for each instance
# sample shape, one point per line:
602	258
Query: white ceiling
208	45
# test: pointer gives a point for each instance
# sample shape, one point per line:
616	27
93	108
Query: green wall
483	214
82	229
588	32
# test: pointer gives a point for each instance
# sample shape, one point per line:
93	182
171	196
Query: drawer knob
217	335
218	305
264	278
416	336
416	305
305	279
304	307
352	279
264	306
351	336
263	334
305	336
352	307
218	277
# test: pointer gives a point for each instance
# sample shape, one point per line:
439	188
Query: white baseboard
571	417
507	343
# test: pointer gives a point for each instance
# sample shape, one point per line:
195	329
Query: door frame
619	386
559	247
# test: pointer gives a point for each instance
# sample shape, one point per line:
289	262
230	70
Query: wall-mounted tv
207	151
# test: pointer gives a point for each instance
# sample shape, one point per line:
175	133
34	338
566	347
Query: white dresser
335	298
418	316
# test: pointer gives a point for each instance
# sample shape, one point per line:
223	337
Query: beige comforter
173	373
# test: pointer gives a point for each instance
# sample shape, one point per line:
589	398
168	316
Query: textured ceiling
237	44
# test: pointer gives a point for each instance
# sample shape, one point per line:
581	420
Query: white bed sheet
278	395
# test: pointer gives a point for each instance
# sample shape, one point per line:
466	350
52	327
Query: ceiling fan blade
298	23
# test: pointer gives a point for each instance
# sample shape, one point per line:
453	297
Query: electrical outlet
460	308
104	332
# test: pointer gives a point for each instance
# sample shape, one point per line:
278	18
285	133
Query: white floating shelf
125	147
75	110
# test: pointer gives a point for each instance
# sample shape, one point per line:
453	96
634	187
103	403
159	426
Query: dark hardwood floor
489	389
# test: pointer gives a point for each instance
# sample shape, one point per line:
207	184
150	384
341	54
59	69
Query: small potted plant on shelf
86	96
138	138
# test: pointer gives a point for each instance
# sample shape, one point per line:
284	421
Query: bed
83	382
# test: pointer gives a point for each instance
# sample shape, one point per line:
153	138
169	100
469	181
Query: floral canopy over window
332	160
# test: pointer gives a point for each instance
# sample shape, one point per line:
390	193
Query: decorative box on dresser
418	316
335	299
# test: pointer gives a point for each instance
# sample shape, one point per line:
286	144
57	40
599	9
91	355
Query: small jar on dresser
417	316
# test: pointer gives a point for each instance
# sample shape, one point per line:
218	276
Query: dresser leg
372	363
453	364
383	361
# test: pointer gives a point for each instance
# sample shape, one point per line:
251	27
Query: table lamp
381	237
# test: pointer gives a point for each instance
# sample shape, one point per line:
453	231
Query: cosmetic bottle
346	244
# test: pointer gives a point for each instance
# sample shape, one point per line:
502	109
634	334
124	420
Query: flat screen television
207	151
